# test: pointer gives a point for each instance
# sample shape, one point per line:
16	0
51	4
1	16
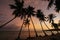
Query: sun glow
37	24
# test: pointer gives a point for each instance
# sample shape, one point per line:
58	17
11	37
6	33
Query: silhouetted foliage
40	15
29	14
55	25
51	20
51	17
30	11
19	11
50	3
27	22
56	3
41	18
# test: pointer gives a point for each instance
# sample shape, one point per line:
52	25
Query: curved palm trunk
48	28
18	38
7	22
20	29
42	29
29	30
34	27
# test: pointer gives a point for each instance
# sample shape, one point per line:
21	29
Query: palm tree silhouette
18	12
55	25
30	13
50	18
27	22
51	2
42	17
18	38
56	3
57	8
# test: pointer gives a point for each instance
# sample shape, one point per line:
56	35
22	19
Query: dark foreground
5	35
51	37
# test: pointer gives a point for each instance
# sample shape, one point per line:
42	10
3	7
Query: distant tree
51	20
51	17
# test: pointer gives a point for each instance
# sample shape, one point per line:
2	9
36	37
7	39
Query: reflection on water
12	35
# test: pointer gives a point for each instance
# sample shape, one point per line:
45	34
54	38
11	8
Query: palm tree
42	17
55	25
27	22
50	18
18	12
30	13
51	2
48	28
56	3
57	8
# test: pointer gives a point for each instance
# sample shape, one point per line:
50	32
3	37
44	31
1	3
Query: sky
6	14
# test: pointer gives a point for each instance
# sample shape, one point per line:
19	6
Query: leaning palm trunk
34	27
20	31
48	28
42	29
29	30
7	22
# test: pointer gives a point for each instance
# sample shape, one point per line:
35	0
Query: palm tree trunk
29	30
42	29
20	29
34	27
49	28
7	22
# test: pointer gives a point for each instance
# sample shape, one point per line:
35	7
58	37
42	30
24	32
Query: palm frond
13	6
51	2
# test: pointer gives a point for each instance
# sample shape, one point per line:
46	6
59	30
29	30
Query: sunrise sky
6	14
